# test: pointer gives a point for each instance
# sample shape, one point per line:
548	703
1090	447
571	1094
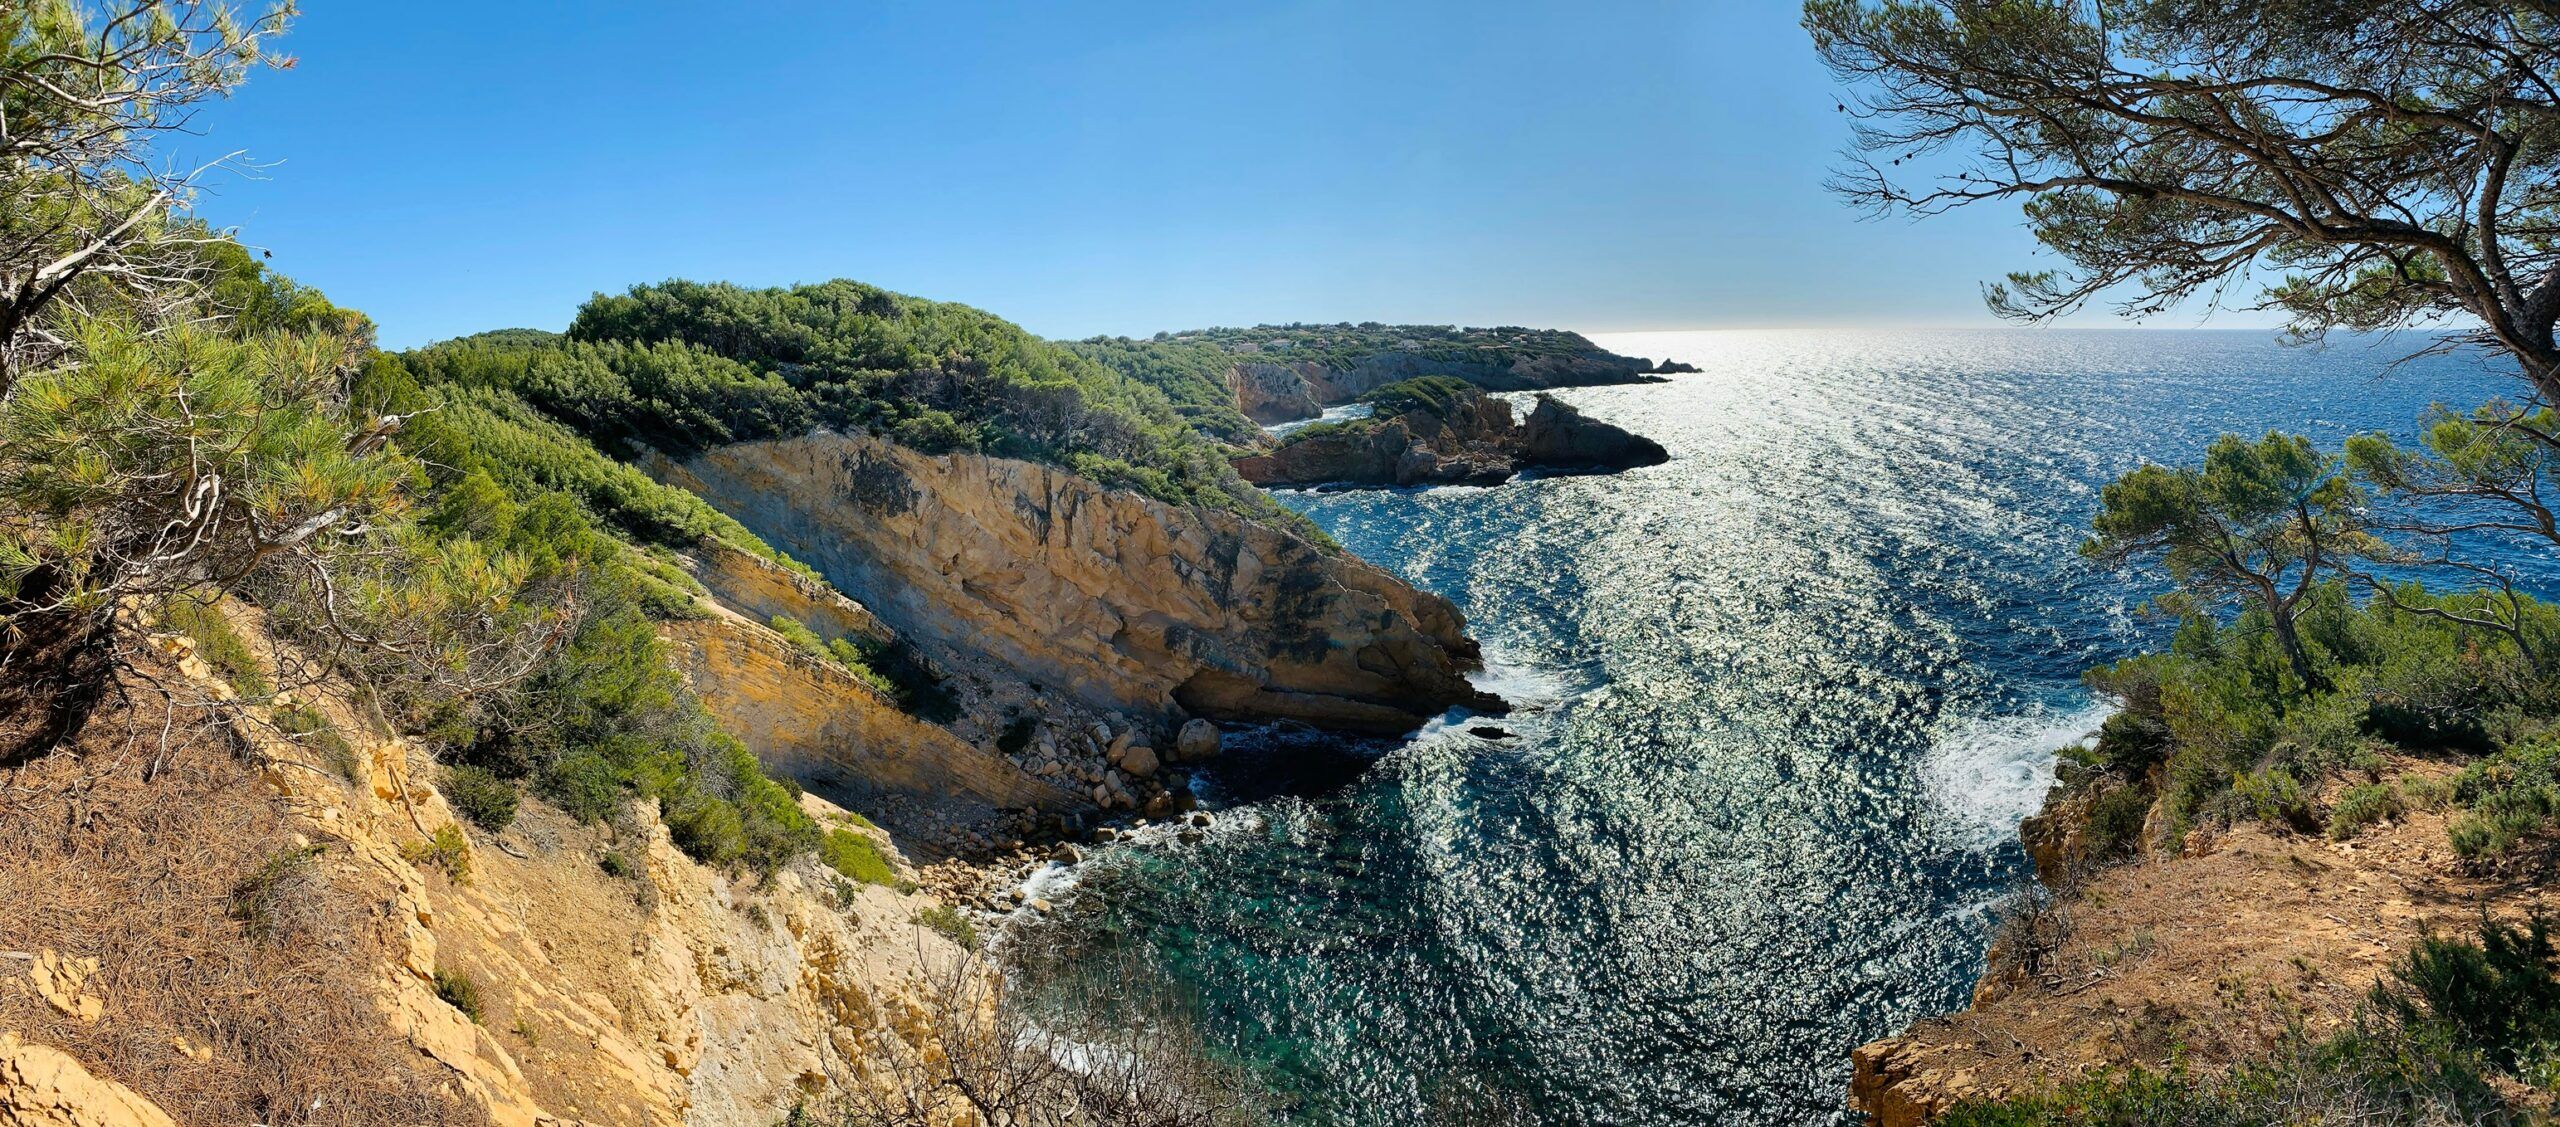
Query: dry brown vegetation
229	975
2205	959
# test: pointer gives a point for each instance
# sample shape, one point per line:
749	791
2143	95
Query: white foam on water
1343	413
1530	688
1989	772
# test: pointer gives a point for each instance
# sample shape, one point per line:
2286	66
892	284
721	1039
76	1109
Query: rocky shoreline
1472	440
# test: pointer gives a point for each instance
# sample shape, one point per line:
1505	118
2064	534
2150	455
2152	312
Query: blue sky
1085	168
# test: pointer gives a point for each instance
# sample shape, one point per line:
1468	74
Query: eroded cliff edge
1108	599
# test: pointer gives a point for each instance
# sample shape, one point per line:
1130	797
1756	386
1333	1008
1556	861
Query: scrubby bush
2361	806
445	850
951	924
857	857
2506	798
457	990
798	633
1434	394
2224	731
270	900
2115	823
312	730
481	796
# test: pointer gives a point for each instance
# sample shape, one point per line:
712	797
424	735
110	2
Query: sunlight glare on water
1794	689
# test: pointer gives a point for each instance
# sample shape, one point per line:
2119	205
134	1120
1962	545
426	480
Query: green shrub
2273	796
1433	394
481	796
312	730
2115	825
798	634
458	991
218	644
2496	996
856	856
2425	1048
951	924
2361	806
445	849
2506	798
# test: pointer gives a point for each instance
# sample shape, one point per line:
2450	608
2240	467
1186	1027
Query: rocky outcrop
44	1087
811	719
1473	441
1559	437
1111	599
1269	392
674	994
1673	367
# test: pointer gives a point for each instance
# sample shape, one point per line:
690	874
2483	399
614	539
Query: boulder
1139	760
44	1087
1198	739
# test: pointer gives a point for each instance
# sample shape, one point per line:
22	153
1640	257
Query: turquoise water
1785	698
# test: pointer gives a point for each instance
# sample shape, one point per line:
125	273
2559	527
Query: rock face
1270	392
42	1087
810	719
1120	601
1558	437
1474	441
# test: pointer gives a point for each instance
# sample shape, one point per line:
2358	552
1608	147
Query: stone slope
1105	599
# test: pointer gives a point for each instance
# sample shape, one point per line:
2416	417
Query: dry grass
168	861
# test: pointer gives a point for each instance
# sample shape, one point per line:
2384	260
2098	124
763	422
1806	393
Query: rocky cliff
246	927
1278	392
1472	441
1097	598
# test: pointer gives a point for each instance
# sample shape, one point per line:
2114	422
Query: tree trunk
2282	615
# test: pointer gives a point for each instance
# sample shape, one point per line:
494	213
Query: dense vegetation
1344	345
2220	728
1430	394
599	714
683	366
1192	376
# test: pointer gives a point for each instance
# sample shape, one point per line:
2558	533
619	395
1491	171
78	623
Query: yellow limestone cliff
1120	601
611	979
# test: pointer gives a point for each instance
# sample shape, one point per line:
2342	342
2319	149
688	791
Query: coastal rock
1557	436
1124	602
1139	760
1199	739
1672	367
1473	440
45	1087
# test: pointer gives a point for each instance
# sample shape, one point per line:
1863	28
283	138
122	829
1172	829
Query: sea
1781	703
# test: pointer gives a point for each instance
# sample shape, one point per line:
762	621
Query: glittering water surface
1789	694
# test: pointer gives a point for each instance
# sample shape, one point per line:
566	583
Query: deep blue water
1787	696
